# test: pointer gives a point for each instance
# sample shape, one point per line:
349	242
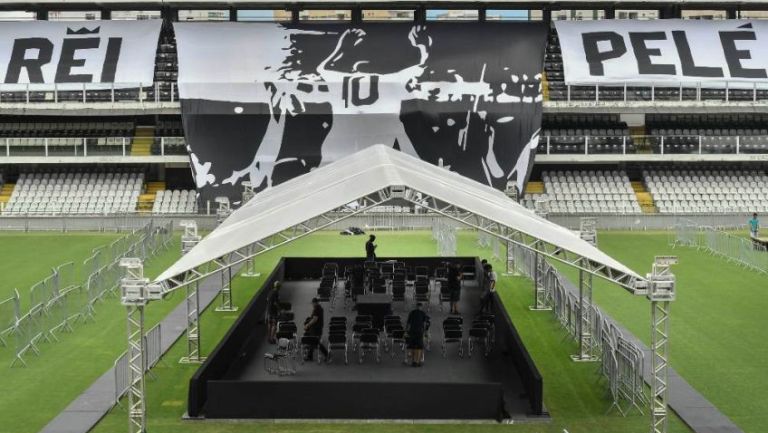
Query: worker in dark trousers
370	249
314	327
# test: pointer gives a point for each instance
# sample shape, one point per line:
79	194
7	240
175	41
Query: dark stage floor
497	368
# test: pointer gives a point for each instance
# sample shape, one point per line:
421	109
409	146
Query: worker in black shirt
314	327
370	249
415	327
273	311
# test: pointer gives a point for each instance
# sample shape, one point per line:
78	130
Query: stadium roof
363	174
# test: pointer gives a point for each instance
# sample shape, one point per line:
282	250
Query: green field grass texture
572	392
32	396
29	257
718	323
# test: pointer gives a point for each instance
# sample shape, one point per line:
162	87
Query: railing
653	144
88	93
86	146
747	252
683	92
67	296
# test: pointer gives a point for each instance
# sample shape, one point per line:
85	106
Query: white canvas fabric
360	174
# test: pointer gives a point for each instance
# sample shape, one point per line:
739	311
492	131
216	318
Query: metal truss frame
193	326
539	285
586	342
661	292
226	290
543	250
426	201
291	234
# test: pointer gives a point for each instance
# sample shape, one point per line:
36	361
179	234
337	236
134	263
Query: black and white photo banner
266	102
665	52
42	55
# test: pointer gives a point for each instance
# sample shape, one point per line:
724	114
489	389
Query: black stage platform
453	388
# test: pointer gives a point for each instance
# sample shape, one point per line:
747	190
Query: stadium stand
31	137
586	192
567	134
556	90
175	202
75	192
699	191
169	138
166	67
721	133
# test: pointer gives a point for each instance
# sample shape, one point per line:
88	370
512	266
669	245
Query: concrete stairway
147	200
5	194
143	139
644	198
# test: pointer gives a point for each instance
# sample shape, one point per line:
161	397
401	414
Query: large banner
266	102
664	52
69	53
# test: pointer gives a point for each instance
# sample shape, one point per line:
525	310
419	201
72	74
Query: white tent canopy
364	173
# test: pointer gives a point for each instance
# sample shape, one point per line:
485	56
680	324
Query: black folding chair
369	344
309	345
338	341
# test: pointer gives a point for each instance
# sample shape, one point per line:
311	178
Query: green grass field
572	395
32	396
716	327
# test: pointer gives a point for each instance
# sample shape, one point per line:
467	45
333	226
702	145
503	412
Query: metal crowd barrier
445	235
621	361
743	251
64	297
10	311
121	367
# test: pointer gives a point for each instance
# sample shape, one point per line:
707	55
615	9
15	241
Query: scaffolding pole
539	288
661	292
511	263
586	342
137	415
193	326
226	291
133	289
250	264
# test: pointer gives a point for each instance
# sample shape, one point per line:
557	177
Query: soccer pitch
716	326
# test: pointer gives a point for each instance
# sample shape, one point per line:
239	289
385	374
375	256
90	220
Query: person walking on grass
754	226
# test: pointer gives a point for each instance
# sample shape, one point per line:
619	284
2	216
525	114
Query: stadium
408	216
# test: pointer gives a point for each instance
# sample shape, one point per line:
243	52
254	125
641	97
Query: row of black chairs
481	332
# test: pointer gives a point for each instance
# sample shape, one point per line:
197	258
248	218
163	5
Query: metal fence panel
10	311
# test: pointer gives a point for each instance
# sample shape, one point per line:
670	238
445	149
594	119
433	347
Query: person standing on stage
454	286
754	226
489	288
370	249
314	327
415	327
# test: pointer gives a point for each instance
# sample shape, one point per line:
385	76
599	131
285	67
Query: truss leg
539	288
511	264
583	324
193	326
226	291
137	417
250	265
659	365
